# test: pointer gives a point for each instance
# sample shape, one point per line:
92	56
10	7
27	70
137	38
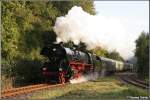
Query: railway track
134	81
27	89
139	81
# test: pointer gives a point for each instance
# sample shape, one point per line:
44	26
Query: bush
28	71
142	54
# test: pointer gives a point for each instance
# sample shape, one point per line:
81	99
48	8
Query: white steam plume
93	30
85	78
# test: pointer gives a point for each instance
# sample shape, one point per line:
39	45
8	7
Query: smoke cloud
94	31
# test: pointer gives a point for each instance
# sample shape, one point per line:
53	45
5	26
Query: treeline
142	55
26	27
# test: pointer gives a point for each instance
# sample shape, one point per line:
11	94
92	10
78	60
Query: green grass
102	88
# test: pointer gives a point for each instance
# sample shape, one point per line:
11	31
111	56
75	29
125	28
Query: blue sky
133	14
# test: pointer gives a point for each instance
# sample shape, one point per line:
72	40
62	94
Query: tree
103	52
114	55
142	54
100	51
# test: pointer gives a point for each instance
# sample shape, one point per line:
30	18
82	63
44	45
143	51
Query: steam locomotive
65	64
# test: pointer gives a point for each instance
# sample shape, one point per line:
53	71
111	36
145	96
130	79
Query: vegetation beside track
102	88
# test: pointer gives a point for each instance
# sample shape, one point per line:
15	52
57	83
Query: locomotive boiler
65	64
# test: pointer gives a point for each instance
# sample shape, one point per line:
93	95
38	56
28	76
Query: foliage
114	55
86	5
103	52
142	54
25	70
26	27
100	51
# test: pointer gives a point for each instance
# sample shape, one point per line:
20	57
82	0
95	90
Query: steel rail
27	89
134	81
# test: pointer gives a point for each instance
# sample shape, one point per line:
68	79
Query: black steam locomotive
65	64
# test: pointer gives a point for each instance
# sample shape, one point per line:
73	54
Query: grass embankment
102	88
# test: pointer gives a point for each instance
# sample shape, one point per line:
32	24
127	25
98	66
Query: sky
134	15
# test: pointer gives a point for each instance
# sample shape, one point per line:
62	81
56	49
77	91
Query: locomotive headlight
54	49
44	69
60	69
